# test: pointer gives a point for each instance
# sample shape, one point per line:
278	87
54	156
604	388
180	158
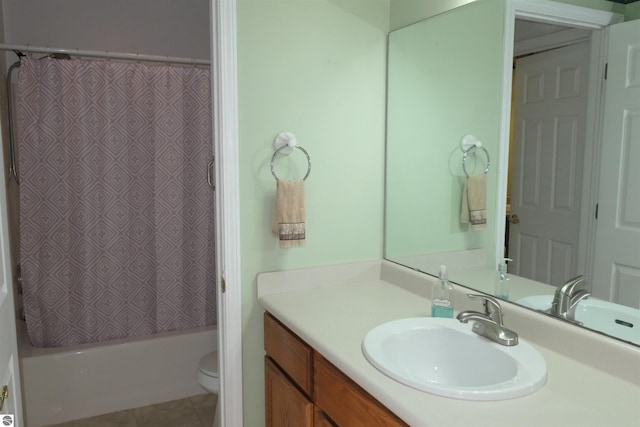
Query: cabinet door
286	406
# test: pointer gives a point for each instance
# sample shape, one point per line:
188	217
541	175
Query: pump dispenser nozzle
502	265
443	273
502	285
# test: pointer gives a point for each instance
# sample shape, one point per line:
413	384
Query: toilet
209	378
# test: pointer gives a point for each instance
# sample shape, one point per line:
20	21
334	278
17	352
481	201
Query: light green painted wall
597	4
315	68
434	99
405	12
632	11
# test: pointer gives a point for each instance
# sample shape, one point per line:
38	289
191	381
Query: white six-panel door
616	267
549	113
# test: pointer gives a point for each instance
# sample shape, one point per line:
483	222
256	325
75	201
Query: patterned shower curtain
116	217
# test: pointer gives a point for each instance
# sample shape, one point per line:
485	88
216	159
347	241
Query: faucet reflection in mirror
566	299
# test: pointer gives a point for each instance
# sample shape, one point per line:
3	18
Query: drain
623	323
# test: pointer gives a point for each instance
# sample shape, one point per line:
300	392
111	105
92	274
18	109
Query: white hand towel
289	217
474	202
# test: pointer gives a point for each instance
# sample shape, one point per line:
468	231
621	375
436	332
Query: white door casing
9	363
550	107
225	123
616	265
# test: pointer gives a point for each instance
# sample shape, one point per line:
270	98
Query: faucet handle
570	285
491	305
566	295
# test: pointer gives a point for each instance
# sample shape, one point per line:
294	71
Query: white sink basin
444	357
613	319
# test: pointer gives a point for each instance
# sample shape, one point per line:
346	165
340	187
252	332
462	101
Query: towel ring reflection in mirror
471	150
273	158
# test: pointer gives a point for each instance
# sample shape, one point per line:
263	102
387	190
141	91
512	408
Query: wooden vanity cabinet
304	389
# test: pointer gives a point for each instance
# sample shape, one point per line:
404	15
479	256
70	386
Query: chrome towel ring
286	140
469	144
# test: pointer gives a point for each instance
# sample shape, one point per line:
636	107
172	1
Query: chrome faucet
567	297
489	324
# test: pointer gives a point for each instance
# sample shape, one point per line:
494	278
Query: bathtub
63	384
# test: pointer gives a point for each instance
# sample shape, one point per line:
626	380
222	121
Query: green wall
405	12
597	4
315	68
632	11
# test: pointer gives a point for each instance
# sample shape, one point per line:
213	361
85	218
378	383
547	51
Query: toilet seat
208	372
209	364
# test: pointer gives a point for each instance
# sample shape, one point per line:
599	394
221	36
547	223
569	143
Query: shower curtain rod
105	54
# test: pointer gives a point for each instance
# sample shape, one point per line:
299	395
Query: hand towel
474	202
289	217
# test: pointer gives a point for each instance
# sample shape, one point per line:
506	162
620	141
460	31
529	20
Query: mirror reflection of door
616	264
547	158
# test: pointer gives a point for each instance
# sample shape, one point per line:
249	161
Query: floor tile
177	413
204	406
114	419
194	411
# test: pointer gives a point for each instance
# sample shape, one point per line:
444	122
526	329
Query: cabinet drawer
286	405
293	355
345	402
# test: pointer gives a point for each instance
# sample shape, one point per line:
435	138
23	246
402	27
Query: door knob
515	219
4	395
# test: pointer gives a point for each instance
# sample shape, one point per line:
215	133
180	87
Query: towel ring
273	158
470	150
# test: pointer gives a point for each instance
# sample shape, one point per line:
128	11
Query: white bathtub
63	384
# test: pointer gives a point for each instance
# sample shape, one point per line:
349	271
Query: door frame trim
559	14
223	26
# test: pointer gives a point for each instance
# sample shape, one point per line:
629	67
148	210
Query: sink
613	319
444	357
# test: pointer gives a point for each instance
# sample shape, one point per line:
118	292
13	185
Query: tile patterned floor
195	411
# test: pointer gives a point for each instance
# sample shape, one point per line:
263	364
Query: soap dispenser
442	296
502	280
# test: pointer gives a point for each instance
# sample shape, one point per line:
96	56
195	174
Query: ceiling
525	30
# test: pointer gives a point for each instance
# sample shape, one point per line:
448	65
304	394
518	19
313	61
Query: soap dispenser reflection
502	286
442	296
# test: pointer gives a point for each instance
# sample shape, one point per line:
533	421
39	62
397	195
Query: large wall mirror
559	147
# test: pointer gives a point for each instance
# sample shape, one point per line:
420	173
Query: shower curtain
116	217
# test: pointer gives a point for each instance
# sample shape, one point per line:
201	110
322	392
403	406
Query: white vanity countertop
333	308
